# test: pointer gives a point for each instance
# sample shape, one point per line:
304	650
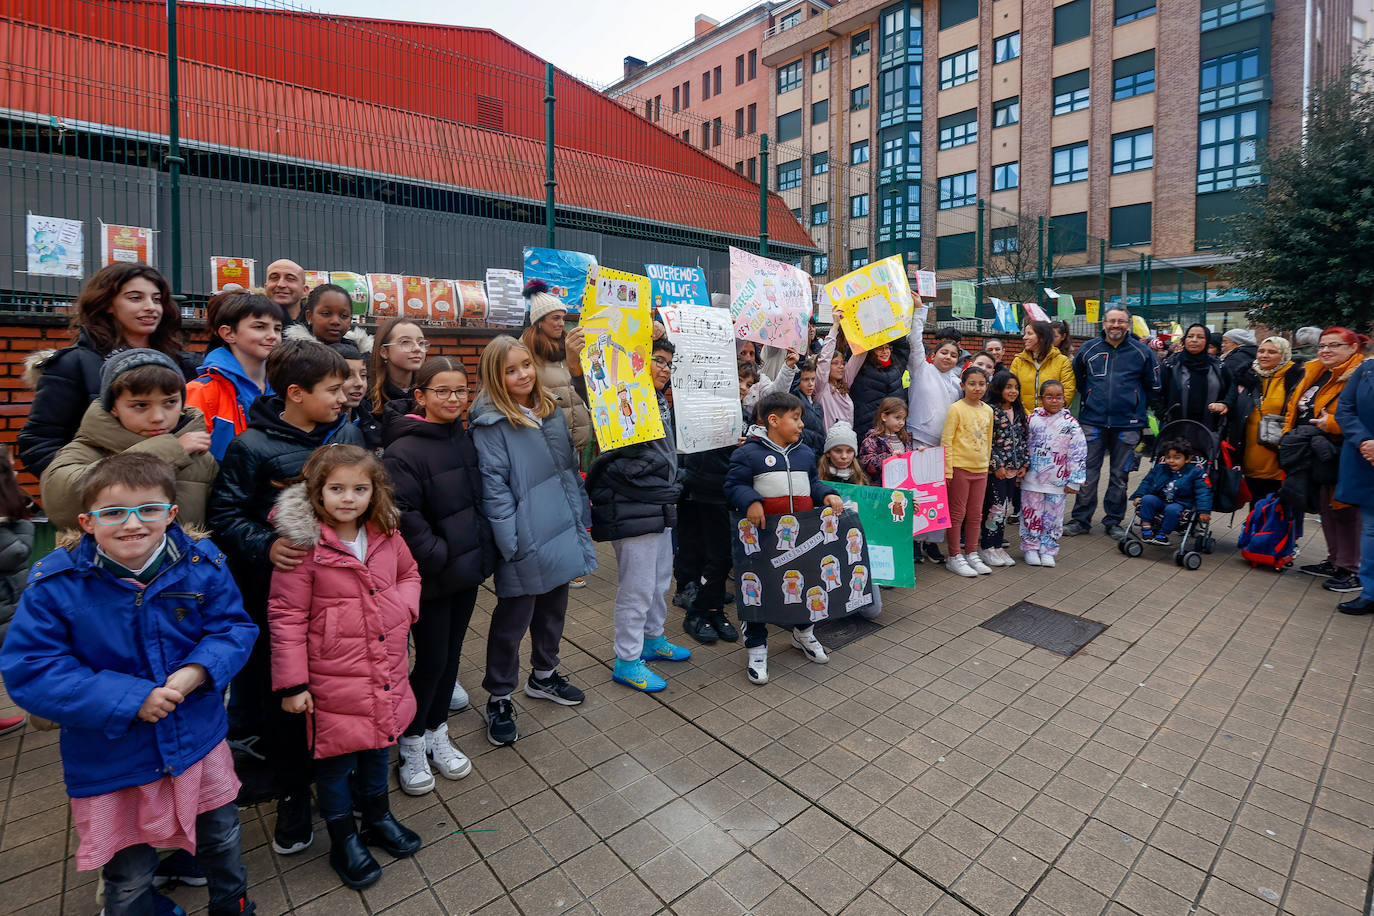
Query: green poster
888	525
963	299
1066	307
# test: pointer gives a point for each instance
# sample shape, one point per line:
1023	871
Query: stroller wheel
1132	548
1192	560
1178	559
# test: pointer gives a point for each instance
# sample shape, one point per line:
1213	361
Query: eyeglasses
409	343
662	363
445	394
1332	346
118	515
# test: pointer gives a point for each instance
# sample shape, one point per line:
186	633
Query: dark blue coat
1355	415
1190	486
634	489
1115	384
761	469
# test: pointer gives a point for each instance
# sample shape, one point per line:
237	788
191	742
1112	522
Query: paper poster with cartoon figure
125	244
858	581
886	515
818	603
564	271
830	573
748	536
769	301
228	275
872	304
786	532
898	506
791	576
922	472
853	545
830	525
617	325
792	584
56	246
751	589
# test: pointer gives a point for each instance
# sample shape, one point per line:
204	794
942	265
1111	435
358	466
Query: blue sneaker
637	675
659	649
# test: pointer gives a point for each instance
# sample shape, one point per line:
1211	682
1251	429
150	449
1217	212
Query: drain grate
1045	627
835	634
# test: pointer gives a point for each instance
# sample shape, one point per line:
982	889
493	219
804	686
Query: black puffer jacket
439	492
16	542
813	420
872	384
703	475
634	489
1309	460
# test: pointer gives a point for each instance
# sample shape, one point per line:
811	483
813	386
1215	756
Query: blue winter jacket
760	470
1189	486
86	648
1115	384
1355	416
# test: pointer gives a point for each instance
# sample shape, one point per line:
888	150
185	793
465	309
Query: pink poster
769	301
922	472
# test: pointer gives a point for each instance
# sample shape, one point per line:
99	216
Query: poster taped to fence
1034	312
925	284
356	287
386	295
125	244
415	298
1090	310
505	306
231	274
472	302
676	286
56	247
770	301
564	271
1066	307
1005	316
617	325
923	473
963	299
314	279
874	303
443	302
887	516
706	411
801	568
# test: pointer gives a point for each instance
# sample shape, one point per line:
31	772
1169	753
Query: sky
586	38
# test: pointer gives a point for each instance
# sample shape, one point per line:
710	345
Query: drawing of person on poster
626	410
818	603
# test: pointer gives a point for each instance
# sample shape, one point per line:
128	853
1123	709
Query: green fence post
174	160
549	182
1102	275
978	306
763	195
1040	261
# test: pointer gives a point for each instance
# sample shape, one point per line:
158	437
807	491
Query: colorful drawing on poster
1091	310
898	506
793	586
752	590
356	287
1005	320
925	284
874	303
923	473
506	307
963	299
818	603
125	244
674	287
830	573
415	298
443	302
858	581
230	274
1034	312
564	271
786	532
617	326
385	295
830	525
886	516
314	279
472	302
1066	307
854	545
705	382
56	247
770	301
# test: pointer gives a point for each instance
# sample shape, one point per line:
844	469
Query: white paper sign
925	284
706	411
56	247
505	305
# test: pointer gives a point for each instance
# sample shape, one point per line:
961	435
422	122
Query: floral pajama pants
1042	521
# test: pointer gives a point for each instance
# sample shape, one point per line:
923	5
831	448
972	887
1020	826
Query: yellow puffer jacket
1056	367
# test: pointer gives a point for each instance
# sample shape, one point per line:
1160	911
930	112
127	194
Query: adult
1196	386
122	306
1355	416
1313	407
1263	390
285	285
1238	349
1041	361
398	351
1117	375
1063	338
1305	344
557	358
993	346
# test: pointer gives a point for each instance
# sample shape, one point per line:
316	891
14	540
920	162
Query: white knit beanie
542	304
841	434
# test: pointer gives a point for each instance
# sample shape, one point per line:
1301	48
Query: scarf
1285	358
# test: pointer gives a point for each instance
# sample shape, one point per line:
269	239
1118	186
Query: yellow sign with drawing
873	303
617	322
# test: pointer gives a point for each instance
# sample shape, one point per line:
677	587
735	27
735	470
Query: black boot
699	628
380	828
724	629
348	856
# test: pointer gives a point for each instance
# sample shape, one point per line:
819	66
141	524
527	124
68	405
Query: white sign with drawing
56	247
705	383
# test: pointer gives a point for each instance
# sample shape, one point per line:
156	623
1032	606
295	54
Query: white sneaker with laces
976	563
1006	558
810	646
415	776
960	567
990	557
1046	559
1032	558
460	698
758	665
448	760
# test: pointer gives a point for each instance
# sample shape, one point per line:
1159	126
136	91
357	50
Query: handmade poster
231	274
505	306
923	473
964	299
443	302
705	383
1034	312
802	568
56	247
472	302
357	287
316	278
125	244
1139	327
1005	320
887	517
1092	310
675	286
617	324
1066	307
415	298
874	303
925	284
564	271
386	295
770	301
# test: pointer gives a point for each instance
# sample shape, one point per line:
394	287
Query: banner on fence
618	327
923	473
505	306
1034	312
706	411
770	301
229	274
56	247
802	568
564	271
963	299
1005	320
1066	307
355	285
887	516
472	302
125	244
874	303
677	286
385	291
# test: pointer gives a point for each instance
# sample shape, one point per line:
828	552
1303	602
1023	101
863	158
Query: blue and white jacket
782	478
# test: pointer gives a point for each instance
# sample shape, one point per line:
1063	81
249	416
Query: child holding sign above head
967	440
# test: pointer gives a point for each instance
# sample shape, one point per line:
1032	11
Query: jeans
219	852
1158	514
1341	528
645	568
1118	446
438	638
1367	552
331	779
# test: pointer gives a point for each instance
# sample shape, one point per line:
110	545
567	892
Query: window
753	64
1072	21
858	152
739	122
858	257
901	145
658	108
958	68
958	190
820	61
715	78
796	213
1004	240
858	206
1231	79
820	111
1130	225
1133	75
959	129
677	98
858	98
1006	48
739	70
706	85
753	168
898	212
1069	233
1133	151
820	163
1070	163
739	167
789	77
1007	176
953	12
820	214
900	87
820	264
715	132
753	118
705	134
791	19
1218	13
1131	10
1006	112
858	45
1071	92
789	174
686	136
958	250
686	95
648	109
1226	151
789	126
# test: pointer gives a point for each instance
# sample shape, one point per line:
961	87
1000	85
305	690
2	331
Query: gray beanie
119	363
1307	337
841	434
1241	337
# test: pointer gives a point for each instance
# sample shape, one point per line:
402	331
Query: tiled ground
1210	753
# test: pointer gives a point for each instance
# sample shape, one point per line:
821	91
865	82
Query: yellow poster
617	322
1091	307
873	303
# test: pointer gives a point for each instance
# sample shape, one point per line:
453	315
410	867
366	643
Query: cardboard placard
564	271
617	324
887	516
874	303
706	411
672	286
770	301
922	471
801	568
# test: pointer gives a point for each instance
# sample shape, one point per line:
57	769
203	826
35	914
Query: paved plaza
1209	753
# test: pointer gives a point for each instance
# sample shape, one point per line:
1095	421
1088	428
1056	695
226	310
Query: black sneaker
501	728
724	628
293	832
179	868
1343	581
933	553
1324	569
699	628
554	687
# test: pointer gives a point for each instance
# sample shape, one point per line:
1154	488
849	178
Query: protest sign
963	299
125	244
415	298
874	303
801	568
887	519
770	301
1034	312
472	302
923	473
229	274
505	306
1139	327
357	288
1091	308
385	292
618	327
443	302
1066	307
706	410
1005	320
564	271
925	284
56	247
676	286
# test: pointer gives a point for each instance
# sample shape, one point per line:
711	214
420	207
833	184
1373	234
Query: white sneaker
990	557
448	760
579	582
1046	559
758	665
976	563
810	646
960	567
415	777
1033	558
1006	558
459	699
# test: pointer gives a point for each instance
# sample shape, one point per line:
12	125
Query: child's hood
294	517
101	429
759	434
221	361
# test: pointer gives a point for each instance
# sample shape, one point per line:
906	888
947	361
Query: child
244	328
760	482
1058	465
533	496
339	627
327	316
748	378
1008	464
433	466
833	375
283	430
397	355
813	418
127	640
934	386
139	411
16	543
1173	485
879	377
356	409
634	492
889	437
838	462
967	439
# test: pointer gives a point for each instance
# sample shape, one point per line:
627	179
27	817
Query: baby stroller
1195	538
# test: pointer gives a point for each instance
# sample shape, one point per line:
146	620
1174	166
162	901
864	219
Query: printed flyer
505	306
564	271
618	327
770	301
874	303
888	518
415	298
125	244
56	246
227	274
706	409
443	302
472	303
963	299
386	295
801	569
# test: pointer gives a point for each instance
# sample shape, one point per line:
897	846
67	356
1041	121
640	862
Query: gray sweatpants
645	569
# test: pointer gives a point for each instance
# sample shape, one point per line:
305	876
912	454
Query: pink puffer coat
342	627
